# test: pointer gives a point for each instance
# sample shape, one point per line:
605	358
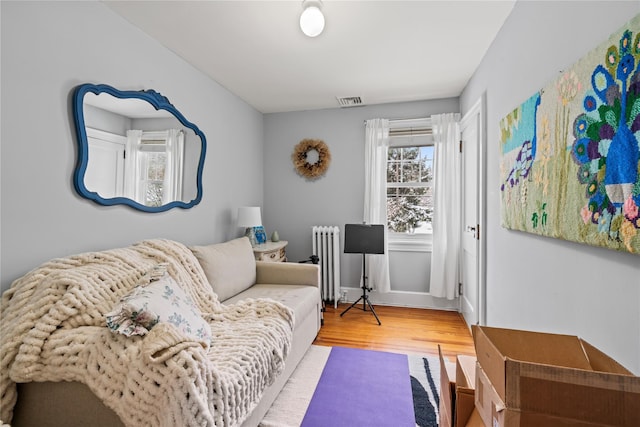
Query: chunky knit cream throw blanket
53	329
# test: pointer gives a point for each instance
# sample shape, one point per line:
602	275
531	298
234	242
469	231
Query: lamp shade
312	19
249	216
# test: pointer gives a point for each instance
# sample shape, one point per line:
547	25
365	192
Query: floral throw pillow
162	300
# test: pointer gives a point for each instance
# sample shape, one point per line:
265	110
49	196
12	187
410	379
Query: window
152	162
154	165
410	186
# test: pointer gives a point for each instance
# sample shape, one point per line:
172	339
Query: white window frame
405	242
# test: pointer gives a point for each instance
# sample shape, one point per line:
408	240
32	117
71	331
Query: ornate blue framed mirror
135	148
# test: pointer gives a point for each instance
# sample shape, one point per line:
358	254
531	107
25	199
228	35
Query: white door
471	257
105	167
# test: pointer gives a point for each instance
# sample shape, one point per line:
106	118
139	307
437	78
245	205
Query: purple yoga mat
362	388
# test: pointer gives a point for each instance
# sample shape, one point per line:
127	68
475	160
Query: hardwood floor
407	330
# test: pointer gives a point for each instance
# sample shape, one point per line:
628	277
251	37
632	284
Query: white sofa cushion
303	300
230	267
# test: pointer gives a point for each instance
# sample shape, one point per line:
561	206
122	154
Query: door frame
478	110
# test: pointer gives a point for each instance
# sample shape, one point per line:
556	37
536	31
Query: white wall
541	283
48	48
293	205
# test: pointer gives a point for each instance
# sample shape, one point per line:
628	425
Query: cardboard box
475	420
536	379
447	391
493	413
465	390
457	392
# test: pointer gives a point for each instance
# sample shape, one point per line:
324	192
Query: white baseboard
404	299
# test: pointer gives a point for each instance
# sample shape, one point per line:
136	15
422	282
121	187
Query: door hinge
461	146
460	288
124	154
477	231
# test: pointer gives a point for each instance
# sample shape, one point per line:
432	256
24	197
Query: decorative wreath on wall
301	162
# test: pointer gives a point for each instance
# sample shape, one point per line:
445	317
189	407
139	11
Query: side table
271	251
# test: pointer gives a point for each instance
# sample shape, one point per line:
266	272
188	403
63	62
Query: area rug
337	386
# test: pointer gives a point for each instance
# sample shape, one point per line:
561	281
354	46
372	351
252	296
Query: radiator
326	245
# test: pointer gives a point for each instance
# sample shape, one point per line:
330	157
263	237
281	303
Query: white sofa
295	285
234	275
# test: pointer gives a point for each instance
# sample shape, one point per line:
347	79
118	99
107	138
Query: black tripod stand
364	297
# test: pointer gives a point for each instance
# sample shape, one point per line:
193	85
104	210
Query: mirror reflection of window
151	167
154	166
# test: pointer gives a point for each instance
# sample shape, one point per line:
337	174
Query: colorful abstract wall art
570	154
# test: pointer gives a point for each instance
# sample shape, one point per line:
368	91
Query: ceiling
133	108
380	51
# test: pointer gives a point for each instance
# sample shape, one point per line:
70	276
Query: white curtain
446	205
134	137
375	197
173	170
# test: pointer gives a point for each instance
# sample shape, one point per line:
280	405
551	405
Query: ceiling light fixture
312	19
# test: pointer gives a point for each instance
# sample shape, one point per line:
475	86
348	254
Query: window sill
411	243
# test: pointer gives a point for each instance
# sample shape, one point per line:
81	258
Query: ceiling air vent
349	101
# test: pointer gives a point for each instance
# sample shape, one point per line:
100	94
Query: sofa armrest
287	273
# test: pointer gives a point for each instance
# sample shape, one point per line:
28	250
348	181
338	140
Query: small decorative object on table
261	236
275	237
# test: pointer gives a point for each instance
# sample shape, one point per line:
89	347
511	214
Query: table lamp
249	217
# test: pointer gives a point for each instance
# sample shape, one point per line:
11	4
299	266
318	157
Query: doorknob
475	230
